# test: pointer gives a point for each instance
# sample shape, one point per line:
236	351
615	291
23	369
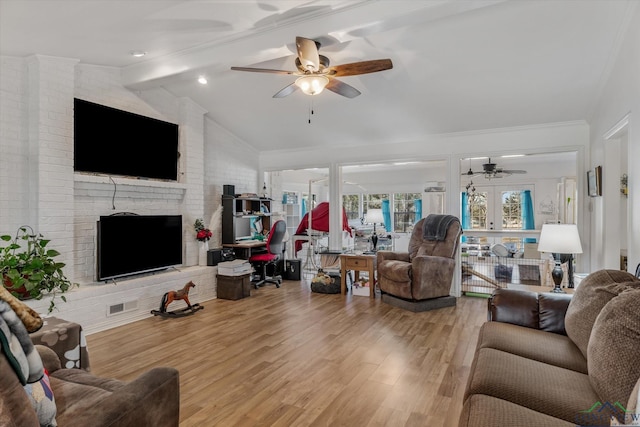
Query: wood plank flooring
290	357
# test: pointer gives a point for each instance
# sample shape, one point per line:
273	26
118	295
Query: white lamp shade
374	216
560	239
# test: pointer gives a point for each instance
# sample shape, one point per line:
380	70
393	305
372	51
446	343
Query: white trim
615	129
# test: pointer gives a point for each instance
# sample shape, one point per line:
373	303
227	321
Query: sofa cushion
398	271
551	390
480	410
614	348
554	349
632	416
152	399
594	292
520	307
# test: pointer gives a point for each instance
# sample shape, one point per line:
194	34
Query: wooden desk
358	263
245	247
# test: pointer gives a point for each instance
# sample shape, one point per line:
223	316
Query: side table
66	339
358	263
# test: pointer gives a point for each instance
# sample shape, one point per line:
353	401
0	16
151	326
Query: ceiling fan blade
342	88
308	53
511	171
286	91
364	67
262	70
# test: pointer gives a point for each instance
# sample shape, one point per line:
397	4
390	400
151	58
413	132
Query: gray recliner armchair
420	279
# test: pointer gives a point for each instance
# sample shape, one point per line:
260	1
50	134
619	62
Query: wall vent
122	307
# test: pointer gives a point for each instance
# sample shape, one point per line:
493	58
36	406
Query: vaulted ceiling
457	65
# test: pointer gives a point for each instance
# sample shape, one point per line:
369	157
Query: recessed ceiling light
138	53
202	80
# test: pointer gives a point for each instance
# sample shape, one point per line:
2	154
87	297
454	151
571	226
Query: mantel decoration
29	269
203	235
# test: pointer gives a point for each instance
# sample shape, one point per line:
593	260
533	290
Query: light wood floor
290	357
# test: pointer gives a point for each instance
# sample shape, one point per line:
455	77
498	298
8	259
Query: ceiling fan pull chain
310	110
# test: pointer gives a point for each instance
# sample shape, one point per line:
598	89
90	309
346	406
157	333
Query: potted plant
29	269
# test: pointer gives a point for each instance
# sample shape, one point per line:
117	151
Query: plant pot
20	293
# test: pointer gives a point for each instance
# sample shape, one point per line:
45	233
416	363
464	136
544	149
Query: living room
39	186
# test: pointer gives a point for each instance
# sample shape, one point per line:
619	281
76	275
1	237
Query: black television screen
130	244
116	142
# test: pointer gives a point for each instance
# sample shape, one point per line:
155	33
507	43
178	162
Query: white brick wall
38	185
228	160
14	166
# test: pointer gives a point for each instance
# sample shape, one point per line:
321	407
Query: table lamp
562	240
374	216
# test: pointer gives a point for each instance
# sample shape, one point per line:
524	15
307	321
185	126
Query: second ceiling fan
491	170
316	74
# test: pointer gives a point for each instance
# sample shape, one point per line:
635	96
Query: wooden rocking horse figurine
171	296
182	294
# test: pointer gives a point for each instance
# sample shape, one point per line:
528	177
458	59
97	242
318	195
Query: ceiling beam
346	24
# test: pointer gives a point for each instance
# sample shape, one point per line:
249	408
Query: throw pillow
42	400
613	349
596	290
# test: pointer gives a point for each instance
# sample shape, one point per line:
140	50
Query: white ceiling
458	65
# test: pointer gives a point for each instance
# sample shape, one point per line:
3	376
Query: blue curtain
526	207
304	207
464	203
418	205
386	213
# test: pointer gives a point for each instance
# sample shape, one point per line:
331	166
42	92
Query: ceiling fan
491	170
315	74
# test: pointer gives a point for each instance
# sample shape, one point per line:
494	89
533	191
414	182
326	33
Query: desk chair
275	249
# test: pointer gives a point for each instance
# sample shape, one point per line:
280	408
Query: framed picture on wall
594	182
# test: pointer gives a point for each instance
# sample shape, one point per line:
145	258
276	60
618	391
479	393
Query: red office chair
275	248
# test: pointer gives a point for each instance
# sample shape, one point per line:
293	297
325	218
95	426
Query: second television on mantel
131	244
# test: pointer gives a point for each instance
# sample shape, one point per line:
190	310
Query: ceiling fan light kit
312	84
315	74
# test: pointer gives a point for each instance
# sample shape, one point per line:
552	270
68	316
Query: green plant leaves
31	265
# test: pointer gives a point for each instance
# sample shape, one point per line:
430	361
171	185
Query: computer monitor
244	228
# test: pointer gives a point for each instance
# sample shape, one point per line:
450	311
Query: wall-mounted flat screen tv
131	244
116	142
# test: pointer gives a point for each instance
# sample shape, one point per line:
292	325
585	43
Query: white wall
39	187
620	98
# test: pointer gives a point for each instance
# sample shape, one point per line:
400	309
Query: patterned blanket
16	321
17	346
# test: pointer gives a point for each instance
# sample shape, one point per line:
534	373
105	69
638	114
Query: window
351	204
404	211
511	210
478	210
372	201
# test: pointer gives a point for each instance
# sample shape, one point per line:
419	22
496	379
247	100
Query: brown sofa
82	399
545	359
78	398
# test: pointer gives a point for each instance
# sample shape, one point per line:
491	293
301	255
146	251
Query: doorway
615	209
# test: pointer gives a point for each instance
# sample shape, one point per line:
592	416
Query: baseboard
419	306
